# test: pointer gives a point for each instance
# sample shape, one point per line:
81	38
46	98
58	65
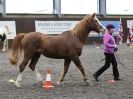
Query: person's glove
115	49
115	46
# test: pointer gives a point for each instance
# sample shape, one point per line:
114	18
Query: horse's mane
81	29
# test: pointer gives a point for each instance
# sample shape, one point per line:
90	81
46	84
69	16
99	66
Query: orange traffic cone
48	84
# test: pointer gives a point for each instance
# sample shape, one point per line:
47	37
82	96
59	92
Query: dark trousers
109	58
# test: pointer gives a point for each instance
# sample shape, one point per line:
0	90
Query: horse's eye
94	20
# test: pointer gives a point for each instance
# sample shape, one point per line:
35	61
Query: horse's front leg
66	67
80	67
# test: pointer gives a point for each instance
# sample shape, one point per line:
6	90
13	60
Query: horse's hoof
41	82
59	82
39	79
17	84
87	82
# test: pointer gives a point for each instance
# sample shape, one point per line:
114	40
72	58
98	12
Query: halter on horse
67	46
3	35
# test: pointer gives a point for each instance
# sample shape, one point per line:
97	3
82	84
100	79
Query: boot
95	77
117	79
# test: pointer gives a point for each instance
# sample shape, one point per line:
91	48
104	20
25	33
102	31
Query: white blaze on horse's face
100	24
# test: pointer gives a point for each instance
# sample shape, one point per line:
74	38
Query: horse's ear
93	15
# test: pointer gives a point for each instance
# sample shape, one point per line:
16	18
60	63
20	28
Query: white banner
11	28
54	27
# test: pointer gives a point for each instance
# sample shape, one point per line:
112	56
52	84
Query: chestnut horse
67	46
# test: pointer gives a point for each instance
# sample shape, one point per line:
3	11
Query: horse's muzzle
102	30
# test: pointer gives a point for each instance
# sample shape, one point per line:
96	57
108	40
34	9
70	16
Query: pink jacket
109	43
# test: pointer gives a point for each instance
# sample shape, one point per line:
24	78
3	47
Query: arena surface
74	87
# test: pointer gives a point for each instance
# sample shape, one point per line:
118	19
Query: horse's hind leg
80	67
21	69
66	67
4	46
32	65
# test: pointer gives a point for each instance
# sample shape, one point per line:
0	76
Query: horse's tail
16	48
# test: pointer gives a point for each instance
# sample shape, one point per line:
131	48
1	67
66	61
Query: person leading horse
67	46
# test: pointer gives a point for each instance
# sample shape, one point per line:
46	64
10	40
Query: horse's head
3	31
94	24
